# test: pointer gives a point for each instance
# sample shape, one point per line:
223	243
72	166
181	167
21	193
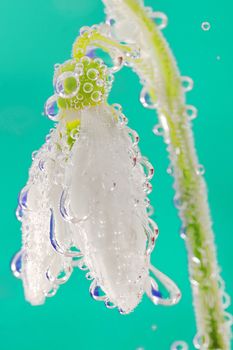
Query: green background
33	36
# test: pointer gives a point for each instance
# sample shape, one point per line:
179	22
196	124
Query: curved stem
158	70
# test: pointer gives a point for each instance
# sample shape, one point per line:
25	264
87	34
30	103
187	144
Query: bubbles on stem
146	100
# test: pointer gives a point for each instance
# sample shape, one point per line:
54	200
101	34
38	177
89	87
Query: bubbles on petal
16	264
52	109
160	19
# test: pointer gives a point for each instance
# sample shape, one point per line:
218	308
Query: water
39	34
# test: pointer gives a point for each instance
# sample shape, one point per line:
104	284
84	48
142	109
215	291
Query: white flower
85	203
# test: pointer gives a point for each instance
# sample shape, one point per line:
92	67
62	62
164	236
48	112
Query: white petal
103	189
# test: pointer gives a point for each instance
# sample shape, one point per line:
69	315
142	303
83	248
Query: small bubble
88	88
191	112
85	60
153	327
218	58
200	170
179	345
85	30
57	66
187	83
110	78
51	108
79	69
34	154
80	97
183	233
96	96
158	130
160	19
145	99
205	26
170	170
92	74
200	341
100	82
67	85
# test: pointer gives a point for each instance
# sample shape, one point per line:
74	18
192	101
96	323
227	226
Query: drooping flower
85	204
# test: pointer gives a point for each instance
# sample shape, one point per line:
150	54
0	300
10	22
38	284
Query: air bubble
191	112
100	82
34	154
85	60
134	137
200	170
88	88
92	74
187	83
79	52
148	168
153	327
96	96
109	304
96	292
205	26
89	276
80	97
99	61
117	107
85	30
226	300
67	85
118	64
16	264
79	69
63	275
179	345
51	108
57	66
160	19
19	213
23	196
200	341
145	99
110	78
170	170
41	165
74	134
51	292
158	130
183	233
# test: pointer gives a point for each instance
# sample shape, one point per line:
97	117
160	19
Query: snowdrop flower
85	204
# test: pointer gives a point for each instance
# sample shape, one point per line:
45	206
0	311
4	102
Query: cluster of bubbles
78	84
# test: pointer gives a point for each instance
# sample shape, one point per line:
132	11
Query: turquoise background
33	36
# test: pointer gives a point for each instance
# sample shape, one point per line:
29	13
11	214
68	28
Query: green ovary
89	82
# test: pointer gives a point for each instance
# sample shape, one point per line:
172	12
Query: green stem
163	82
